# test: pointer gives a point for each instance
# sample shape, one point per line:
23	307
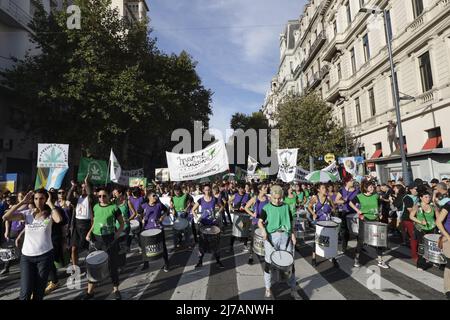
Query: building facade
341	53
17	150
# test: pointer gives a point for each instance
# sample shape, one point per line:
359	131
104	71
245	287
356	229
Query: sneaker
250	261
199	265
166	269
268	294
295	295
117	295
382	264
51	287
88	296
356	264
220	265
246	249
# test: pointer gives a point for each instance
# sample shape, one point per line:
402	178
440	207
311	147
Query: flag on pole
287	164
55	178
97	169
115	170
41	178
333	169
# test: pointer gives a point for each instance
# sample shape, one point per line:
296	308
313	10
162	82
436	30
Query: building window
417	7
344	121
339	71
327	85
373	110
349	13
366	47
335	29
389	25
425	72
353	58
358	110
434	140
378	146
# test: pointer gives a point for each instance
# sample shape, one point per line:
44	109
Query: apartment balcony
315	47
317	78
325	5
333	47
13	15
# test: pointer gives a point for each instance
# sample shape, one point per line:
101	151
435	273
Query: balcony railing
15	15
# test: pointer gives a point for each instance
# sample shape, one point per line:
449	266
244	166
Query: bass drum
431	251
375	234
241	225
97	266
258	243
152	244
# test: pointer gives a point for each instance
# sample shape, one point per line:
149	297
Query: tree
256	120
106	85
307	123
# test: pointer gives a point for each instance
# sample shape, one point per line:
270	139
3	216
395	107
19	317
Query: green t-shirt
300	196
291	202
277	217
368	205
125	211
179	202
429	217
104	219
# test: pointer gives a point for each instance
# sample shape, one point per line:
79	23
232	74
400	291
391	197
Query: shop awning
433	143
377	154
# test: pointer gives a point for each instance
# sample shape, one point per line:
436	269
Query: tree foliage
256	120
307	123
106	85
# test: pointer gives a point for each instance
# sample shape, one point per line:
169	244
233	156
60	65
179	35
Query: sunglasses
102	196
61	192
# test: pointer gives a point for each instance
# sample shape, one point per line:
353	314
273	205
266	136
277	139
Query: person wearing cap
277	226
410	203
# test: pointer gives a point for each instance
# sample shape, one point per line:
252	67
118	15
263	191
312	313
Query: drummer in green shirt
367	206
424	217
104	235
179	204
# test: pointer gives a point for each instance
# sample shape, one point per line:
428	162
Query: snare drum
326	239
152	244
180	225
375	234
97	266
8	254
431	251
258	243
353	223
282	261
134	227
210	239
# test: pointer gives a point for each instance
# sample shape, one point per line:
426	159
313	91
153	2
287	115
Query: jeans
252	233
34	275
279	241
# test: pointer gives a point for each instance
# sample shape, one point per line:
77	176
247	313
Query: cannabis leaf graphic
211	152
53	156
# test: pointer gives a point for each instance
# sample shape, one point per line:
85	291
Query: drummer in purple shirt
208	217
153	214
239	200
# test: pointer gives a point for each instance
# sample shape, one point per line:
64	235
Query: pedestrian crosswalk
240	280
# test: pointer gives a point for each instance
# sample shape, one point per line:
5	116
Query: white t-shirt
83	209
38	234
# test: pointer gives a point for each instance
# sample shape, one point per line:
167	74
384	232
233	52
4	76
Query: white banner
125	176
333	169
162	174
251	166
350	165
52	155
300	174
204	163
114	168
287	164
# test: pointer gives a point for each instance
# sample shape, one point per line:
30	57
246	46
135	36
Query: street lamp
405	172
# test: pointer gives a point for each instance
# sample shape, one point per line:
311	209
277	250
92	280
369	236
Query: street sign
329	158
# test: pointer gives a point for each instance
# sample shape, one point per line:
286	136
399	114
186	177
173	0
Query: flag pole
107	171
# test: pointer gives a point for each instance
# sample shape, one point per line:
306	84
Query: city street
245	282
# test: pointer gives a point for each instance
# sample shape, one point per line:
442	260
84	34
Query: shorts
79	234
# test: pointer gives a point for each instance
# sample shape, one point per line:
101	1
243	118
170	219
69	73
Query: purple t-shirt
208	209
240	200
447	218
152	214
348	197
258	206
137	204
323	210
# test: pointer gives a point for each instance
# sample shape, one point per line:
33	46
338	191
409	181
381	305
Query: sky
235	42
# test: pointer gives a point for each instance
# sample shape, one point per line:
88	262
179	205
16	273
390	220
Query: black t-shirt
408	203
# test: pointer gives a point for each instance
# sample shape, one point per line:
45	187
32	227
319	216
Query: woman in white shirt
37	249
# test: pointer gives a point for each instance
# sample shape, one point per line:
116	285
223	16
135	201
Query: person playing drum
153	215
104	235
443	224
238	202
257	203
208	217
369	203
320	207
277	228
180	203
424	217
343	198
